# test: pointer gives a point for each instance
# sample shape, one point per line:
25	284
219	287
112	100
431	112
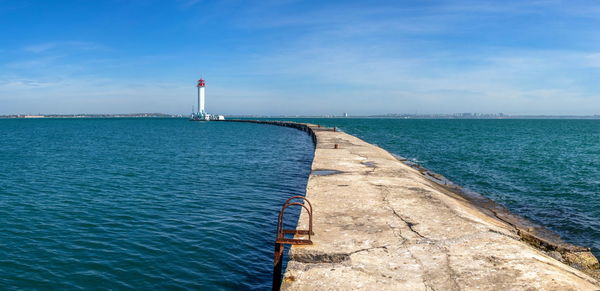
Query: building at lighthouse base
202	116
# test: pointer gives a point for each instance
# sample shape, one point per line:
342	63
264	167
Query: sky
300	57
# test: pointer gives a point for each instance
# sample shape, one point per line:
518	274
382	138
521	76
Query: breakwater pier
380	224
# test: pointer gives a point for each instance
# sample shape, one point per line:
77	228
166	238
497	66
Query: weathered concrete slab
381	225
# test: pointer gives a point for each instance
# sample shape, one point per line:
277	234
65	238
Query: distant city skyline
300	57
464	115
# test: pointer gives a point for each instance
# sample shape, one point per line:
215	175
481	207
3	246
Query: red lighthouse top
201	83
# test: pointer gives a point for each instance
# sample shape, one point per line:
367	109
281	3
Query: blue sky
300	57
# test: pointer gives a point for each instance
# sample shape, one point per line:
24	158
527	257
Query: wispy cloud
60	45
592	60
188	3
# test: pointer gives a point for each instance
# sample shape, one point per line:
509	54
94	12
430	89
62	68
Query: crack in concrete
397	234
424	271
385	199
452	273
367	249
408	223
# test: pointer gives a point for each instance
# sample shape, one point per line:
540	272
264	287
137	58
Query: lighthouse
201	115
201	110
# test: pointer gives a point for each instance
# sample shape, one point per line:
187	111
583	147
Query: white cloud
592	60
188	3
56	45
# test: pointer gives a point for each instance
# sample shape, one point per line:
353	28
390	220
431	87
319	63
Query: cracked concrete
382	225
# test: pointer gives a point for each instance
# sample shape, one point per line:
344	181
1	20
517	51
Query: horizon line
388	115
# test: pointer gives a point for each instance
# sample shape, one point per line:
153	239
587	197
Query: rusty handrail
287	204
299	197
281	240
281	231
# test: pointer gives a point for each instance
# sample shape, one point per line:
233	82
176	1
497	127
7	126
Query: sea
144	203
164	203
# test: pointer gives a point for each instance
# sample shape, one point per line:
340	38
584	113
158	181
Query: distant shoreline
387	116
438	117
127	115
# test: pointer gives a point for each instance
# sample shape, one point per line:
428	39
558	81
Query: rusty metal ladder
281	240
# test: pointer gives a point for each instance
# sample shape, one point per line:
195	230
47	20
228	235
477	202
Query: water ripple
143	203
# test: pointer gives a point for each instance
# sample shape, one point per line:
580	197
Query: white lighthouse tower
201	110
201	115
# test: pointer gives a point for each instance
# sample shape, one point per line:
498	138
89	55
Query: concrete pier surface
381	225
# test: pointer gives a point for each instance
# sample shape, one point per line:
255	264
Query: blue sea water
172	204
143	203
545	170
